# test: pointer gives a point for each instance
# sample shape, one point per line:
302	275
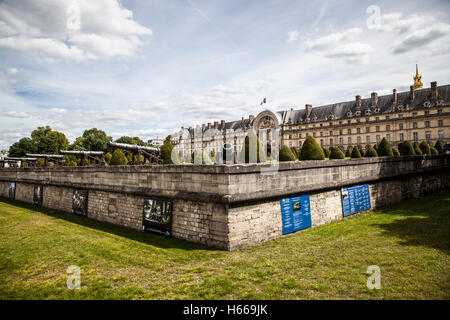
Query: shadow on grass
421	222
121	231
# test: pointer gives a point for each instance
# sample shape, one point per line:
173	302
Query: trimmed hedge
433	150
118	158
326	152
375	146
244	156
439	146
311	150
336	153
425	147
418	151
361	151
395	152
384	149
348	154
286	154
296	153
356	153
371	153
407	149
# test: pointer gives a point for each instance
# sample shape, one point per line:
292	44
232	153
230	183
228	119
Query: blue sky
148	67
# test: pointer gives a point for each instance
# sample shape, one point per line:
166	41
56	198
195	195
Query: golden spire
417	80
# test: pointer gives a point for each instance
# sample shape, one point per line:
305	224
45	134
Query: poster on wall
157	216
295	213
37	196
79	202
12	190
355	199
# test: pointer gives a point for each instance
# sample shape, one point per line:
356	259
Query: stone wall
233	206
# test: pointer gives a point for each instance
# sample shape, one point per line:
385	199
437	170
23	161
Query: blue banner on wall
355	199
295	213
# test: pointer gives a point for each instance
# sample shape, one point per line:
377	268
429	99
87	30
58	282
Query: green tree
296	153
336	153
361	151
395	152
433	150
371	153
384	149
407	149
355	153
108	157
425	147
286	154
348	153
22	147
92	140
375	146
311	150
418	151
49	141
439	146
326	152
166	150
118	158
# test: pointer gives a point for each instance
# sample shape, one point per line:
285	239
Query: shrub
356	153
371	153
341	148
244	156
108	157
296	153
375	146
425	147
418	151
348	153
286	154
166	151
384	149
407	149
395	152
361	151
118	158
311	150
336	153
433	150
326	152
439	146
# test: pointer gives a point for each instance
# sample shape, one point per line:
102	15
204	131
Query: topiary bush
296	153
434	150
375	146
425	147
244	156
336	153
118	158
361	151
371	153
108	157
418	151
355	153
407	149
384	149
311	150
348	154
395	152
286	154
439	146
326	152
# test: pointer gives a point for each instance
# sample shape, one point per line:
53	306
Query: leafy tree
311	150
336	153
49	141
92	140
395	152
286	154
371	153
439	146
326	152
244	156
131	140
433	150
384	149
22	147
166	150
355	153
425	147
118	158
108	157
407	149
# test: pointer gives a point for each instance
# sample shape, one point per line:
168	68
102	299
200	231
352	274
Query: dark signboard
80	202
295	213
157	216
12	190
37	196
355	199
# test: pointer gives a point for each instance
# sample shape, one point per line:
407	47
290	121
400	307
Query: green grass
408	241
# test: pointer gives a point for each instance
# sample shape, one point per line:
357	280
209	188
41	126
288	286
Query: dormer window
358	113
427	104
349	113
368	112
376	110
400	107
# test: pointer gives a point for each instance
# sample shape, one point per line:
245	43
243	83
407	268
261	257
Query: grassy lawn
410	242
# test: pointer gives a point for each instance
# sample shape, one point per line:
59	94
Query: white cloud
292	36
107	30
16	114
12	71
332	40
56	111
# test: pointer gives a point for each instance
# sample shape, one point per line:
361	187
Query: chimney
358	101
203	127
251	118
434	92
209	125
216	124
308	109
374	98
411	92
222	124
394	95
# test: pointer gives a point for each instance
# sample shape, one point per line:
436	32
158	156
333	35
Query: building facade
420	114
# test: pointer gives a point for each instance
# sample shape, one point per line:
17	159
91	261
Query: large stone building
420	114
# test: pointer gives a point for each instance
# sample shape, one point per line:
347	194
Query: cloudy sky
148	67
